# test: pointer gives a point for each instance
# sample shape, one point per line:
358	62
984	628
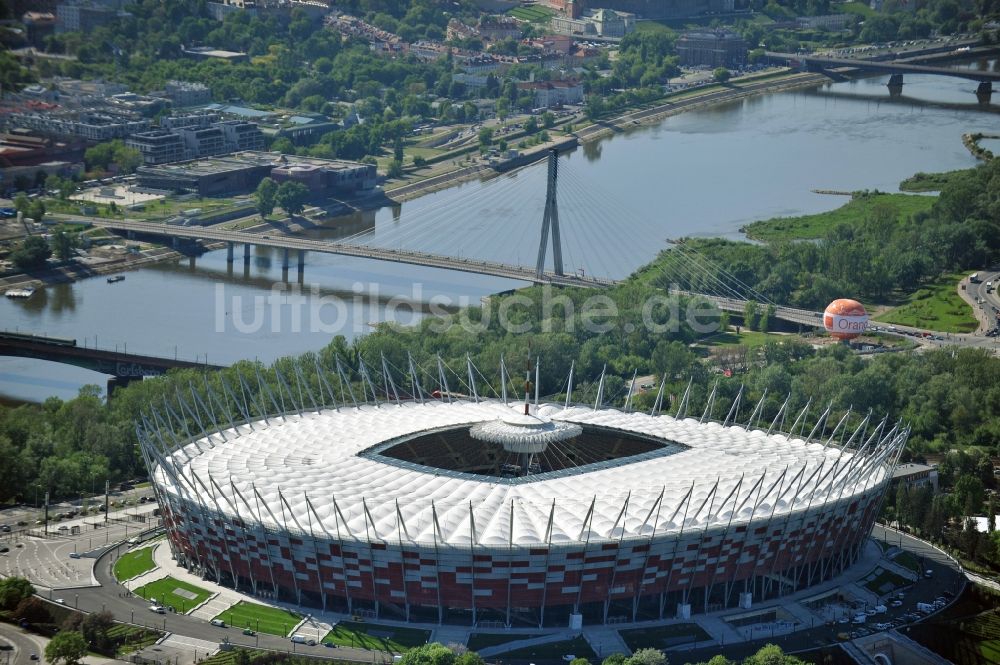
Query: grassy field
132	638
577	646
263	619
661	637
881	581
134	563
376	637
808	227
170	592
936	306
534	14
931	182
229	657
479	641
908	560
860	8
749	338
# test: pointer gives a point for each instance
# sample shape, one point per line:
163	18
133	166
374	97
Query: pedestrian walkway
448	635
559	636
606	640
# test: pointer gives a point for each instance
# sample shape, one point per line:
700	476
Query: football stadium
447	507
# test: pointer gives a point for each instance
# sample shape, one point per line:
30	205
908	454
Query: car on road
247	631
159	609
63	528
4	549
8	212
5	528
74	555
34	656
896	603
218	622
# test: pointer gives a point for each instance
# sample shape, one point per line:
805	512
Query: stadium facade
472	509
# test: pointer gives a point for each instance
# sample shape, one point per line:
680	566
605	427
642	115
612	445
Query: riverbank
673	104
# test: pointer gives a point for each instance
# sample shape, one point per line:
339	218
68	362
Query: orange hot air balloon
845	318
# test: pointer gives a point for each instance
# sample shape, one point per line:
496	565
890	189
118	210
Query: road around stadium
804	620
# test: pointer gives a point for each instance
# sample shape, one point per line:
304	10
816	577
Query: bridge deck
889	66
477	266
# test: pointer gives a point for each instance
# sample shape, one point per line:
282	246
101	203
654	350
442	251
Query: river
703	173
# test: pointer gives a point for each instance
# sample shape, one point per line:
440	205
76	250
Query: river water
703	173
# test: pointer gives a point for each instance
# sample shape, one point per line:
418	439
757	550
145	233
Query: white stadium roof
306	473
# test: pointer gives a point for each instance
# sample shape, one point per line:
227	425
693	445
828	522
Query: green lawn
263	619
860	8
183	597
881	581
932	182
132	638
908	560
748	338
809	227
534	14
376	637
577	646
134	563
936	306
662	637
479	641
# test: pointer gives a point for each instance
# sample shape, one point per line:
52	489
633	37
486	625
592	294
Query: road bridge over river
896	68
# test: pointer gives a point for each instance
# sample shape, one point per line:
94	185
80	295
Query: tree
531	125
395	169
32	610
434	653
721	74
32	254
647	657
63	244
291	196
548	119
13	590
397	149
771	654
22	202
485	137
264	196
68	647
36	210
95	627
750	315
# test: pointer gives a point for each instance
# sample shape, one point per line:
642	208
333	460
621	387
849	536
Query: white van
298	638
218	622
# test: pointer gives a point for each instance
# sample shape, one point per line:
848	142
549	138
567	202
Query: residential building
158	146
85	15
241	136
553	93
91	126
199	119
186	93
718	48
912	475
567	25
611	24
826	22
495	28
242	172
202	141
38	26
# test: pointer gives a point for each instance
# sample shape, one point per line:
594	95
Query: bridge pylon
550	219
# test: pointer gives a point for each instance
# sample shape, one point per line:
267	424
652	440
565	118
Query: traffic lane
24	644
136	611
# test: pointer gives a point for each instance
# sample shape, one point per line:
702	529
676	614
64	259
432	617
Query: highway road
988	301
23	645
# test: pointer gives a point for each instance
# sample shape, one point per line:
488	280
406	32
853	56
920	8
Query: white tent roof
305	474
